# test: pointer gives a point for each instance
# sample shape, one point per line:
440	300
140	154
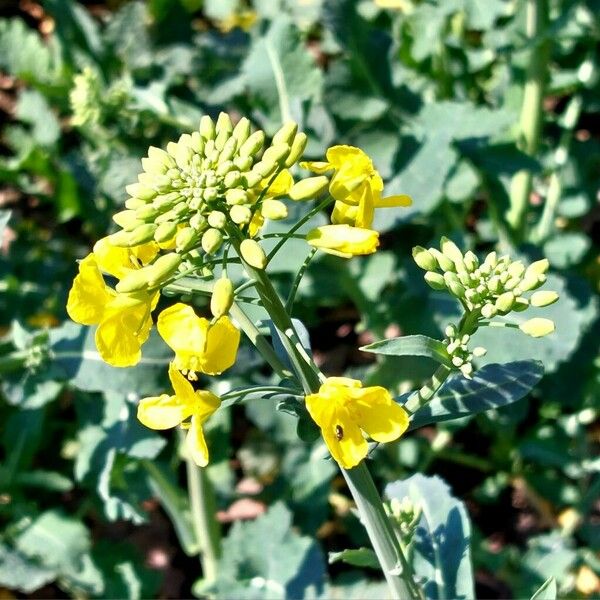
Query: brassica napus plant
199	206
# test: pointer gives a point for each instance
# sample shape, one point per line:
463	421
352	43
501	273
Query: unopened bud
240	214
308	188
479	351
253	254
217	219
253	144
241	131
435	280
273	209
207	128
211	240
163	267
138	190
222	297
451	250
521	304
165	231
134	281
265	167
424	259
140	235
488	311
539	267
297	149
443	261
505	302
537	327
471	261
133	203
454	284
540	299
236	196
127	220
276	154
185	239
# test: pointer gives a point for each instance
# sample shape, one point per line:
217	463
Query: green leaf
18	572
56	540
492	386
441	542
547	591
286	566
280	71
567	249
32	108
411	345
358	557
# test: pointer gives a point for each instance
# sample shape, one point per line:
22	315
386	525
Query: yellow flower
164	412
342	408
356	186
343	240
124	320
199	345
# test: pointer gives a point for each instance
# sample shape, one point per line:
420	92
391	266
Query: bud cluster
497	286
405	516
457	348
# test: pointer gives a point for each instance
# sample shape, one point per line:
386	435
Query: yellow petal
256	223
183	330
375	412
342	155
223	340
146	252
281	186
344	240
391	201
89	294
113	260
347	185
162	412
343	214
196	444
182	387
206	404
366	209
117	343
316	166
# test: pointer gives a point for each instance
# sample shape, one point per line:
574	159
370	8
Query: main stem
393	563
531	113
203	510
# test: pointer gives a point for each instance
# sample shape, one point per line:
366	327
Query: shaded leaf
358	557
411	345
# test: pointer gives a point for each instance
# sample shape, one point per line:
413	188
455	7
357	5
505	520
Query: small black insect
339	432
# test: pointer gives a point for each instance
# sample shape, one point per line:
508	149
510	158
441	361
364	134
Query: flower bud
540	299
134	281
451	250
435	280
454	284
240	214
197	143
227	152
505	302
516	269
521	304
217	219
198	221
160	158
138	190
253	254
211	240
165	231
186	238
243	163
308	188
166	201
147	213
253	144
443	261
276	154
162	268
222	297
537	327
236	196
241	131
127	220
539	267
232	178
479	351
471	261
251	179
265	168
207	128
424	259
127	239
273	209
488	311
133	203
297	149
286	133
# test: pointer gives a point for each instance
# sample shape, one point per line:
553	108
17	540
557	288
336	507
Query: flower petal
391	201
341	155
375	411
281	186
196	443
223	340
117	341
316	166
161	412
183	331
183	388
366	209
344	240
113	260
89	294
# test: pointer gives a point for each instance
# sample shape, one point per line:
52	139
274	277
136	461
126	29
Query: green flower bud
222	297
162	268
297	149
253	254
443	261
183	156
273	209
488	311
467	370
138	190
217	219
240	214
207	128
471	261
537	327
198	221
457	361
512	283
134	281
186	238
127	220
276	154
516	269
140	235
243	163
166	201
531	281
308	188
435	280
540	299
133	203
286	133
236	196
494	284
253	144
451	250
224	129
147	213
228	150
539	267
479	351
424	259
159	157
454	284
451	331
232	178
197	143
210	194
521	304
211	240
241	131
165	231
265	168
490	262
251	179
505	302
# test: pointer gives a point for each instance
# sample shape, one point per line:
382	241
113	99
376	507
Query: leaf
56	540
17	572
33	108
74	352
411	345
547	591
280	71
492	386
441	542
567	249
286	566
359	557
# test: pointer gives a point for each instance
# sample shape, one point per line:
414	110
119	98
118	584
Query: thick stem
396	569
206	528
423	395
531	113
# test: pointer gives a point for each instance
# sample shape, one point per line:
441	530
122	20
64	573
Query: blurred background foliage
92	504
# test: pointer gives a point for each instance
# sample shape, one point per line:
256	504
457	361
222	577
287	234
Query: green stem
15	361
423	395
206	527
531	113
289	303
